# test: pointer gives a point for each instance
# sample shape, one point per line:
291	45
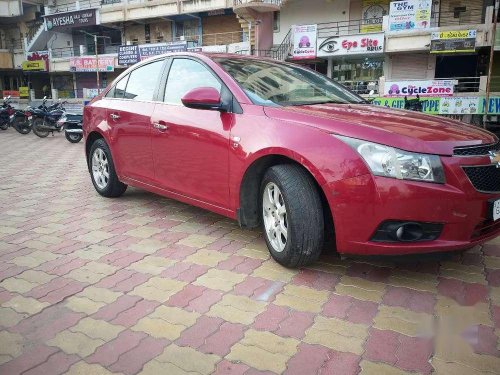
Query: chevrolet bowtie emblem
495	158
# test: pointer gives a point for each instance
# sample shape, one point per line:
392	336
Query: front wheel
4	125
38	128
73	137
102	171
292	215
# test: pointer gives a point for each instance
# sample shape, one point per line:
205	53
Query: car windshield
277	84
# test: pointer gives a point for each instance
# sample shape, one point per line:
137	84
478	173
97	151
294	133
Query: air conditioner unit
182	37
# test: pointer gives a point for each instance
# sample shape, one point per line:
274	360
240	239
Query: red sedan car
274	144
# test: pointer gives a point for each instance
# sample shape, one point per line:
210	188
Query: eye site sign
421	88
359	44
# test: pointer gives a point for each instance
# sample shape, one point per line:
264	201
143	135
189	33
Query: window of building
142	82
276	22
186	75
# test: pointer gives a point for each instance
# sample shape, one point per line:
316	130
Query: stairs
35	39
248	11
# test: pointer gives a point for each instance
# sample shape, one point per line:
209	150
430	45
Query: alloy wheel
275	217
100	168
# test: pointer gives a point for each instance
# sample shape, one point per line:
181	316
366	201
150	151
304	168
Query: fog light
404	231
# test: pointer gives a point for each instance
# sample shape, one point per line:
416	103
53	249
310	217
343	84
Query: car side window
119	88
186	75
142	82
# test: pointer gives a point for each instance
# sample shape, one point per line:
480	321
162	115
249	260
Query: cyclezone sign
421	88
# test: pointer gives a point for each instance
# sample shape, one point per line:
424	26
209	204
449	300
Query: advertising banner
132	54
421	88
88	64
447	106
304	42
372	13
79	18
458	41
409	15
360	44
11	93
24	91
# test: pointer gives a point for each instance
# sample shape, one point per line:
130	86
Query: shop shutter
409	66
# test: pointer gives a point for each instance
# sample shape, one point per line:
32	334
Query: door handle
160	126
114	116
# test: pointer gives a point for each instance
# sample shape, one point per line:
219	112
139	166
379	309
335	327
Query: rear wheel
102	171
292	216
73	137
4	125
22	125
38	128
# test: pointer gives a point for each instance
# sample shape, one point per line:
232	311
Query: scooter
45	119
73	126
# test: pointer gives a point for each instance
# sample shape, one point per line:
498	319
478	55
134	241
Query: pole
97	63
490	65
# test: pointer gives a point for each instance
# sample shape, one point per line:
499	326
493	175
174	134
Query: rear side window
119	89
142	82
186	75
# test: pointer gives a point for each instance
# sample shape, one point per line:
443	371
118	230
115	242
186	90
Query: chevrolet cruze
275	144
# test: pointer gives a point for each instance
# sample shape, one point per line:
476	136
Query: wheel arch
91	138
248	200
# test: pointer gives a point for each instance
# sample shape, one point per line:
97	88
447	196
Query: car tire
101	164
290	203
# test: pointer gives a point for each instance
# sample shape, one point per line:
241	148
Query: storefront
357	61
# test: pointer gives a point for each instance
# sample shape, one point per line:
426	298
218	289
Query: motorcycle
19	120
45	119
73	126
5	112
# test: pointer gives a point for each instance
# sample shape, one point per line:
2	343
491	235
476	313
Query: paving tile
158	289
237	309
82	368
207	257
25	305
134	360
75	343
302	298
403	321
97	329
188	359
220	279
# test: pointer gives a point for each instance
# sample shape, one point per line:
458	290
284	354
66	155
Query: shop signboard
79	18
132	54
88	64
372	13
410	15
214	49
304	42
34	66
110	2
421	88
459	105
242	48
457	41
359	44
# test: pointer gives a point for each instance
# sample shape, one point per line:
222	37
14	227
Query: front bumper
360	204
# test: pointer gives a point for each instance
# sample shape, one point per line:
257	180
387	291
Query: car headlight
392	162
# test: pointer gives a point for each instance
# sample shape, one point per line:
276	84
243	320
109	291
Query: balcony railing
326	30
72	5
242	2
455	18
11	44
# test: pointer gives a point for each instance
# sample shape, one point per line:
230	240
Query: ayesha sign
421	88
68	20
351	45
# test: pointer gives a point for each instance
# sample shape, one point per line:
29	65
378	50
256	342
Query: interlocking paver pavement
144	284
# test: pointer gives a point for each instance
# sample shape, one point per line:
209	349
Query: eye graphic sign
360	44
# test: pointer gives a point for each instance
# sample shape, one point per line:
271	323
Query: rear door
130	107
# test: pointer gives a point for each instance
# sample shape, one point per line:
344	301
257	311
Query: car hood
407	130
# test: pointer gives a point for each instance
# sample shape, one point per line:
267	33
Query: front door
190	146
129	116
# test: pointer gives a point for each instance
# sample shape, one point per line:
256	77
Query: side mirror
203	98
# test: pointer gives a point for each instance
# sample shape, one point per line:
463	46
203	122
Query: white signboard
421	88
304	42
459	105
359	44
409	15
241	48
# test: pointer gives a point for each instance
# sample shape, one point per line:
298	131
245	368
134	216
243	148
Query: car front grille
476	150
485	179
